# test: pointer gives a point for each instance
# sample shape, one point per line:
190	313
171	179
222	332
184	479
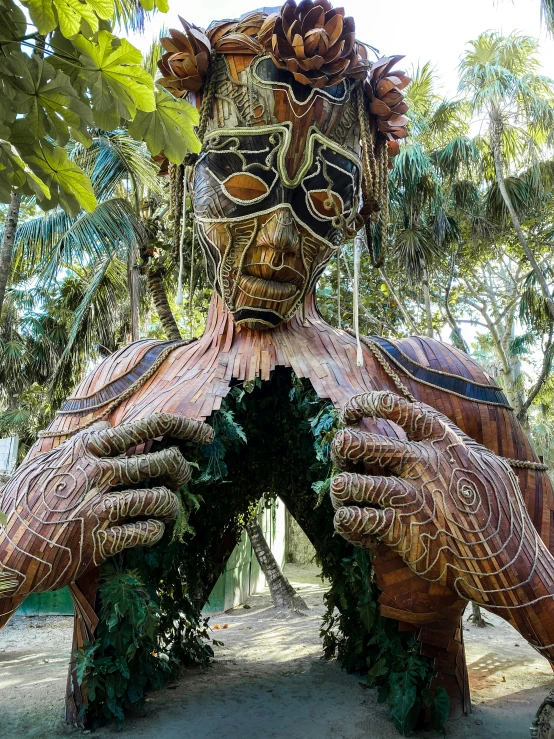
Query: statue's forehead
253	93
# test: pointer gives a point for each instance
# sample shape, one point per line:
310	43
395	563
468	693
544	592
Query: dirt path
268	682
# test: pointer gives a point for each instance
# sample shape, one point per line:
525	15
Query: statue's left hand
64	517
448	506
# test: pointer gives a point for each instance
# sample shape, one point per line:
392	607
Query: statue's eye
325	203
245	188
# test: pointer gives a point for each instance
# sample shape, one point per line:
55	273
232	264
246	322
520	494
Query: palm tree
547	14
421	227
499	75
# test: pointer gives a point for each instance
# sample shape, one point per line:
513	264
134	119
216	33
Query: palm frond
465	195
547	14
96	314
114	160
415	249
46	243
495	206
130	15
154	53
460	155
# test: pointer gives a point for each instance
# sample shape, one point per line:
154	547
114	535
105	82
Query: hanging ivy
270	437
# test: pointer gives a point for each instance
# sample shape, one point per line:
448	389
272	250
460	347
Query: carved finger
138	534
418	420
168	465
352	447
157	502
348	488
358	525
118	439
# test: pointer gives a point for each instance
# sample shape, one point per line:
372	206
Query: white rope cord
356	298
191	274
179	298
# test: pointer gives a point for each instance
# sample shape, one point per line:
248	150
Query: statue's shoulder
435	364
117	374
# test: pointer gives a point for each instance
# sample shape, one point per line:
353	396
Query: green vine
271	438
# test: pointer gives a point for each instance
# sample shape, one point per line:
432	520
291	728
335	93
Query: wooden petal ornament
315	42
186	61
383	88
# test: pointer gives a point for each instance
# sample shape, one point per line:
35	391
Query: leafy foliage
78	76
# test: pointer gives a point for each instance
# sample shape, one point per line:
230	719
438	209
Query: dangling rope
191	283
179	298
338	288
374	181
356	298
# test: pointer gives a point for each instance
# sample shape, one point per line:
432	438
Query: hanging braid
177	172
176	192
375	180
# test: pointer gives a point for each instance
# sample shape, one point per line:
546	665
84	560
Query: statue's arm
63	516
449	507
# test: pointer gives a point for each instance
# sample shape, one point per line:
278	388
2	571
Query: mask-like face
276	189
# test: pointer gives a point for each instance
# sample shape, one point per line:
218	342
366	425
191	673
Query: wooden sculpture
297	128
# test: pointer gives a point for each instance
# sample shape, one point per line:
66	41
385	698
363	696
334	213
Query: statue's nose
279	232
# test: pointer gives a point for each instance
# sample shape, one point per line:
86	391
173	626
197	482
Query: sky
422	30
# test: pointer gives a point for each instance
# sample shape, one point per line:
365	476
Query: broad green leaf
103	8
439	703
70	15
169	128
13	23
16	175
367	612
42	14
74	187
48	102
404	702
118	84
3	519
161	5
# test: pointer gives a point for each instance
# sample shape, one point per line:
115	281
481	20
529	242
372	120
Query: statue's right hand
63	517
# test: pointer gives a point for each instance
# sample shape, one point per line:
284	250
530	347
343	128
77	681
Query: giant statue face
277	186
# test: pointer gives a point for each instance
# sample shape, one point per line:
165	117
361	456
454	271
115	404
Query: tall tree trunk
477	616
398	301
132	277
282	592
159	296
497	156
427	299
6	251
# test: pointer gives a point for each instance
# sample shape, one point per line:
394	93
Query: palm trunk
477	617
159	296
6	251
283	594
427	299
132	276
497	156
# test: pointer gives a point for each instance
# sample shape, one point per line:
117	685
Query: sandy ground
268	681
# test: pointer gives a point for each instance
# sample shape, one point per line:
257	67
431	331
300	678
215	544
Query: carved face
276	189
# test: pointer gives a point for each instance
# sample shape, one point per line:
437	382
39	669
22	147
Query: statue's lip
285	274
257	287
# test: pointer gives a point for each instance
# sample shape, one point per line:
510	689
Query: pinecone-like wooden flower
384	87
186	60
315	42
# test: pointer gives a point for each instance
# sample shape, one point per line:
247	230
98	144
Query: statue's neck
220	324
